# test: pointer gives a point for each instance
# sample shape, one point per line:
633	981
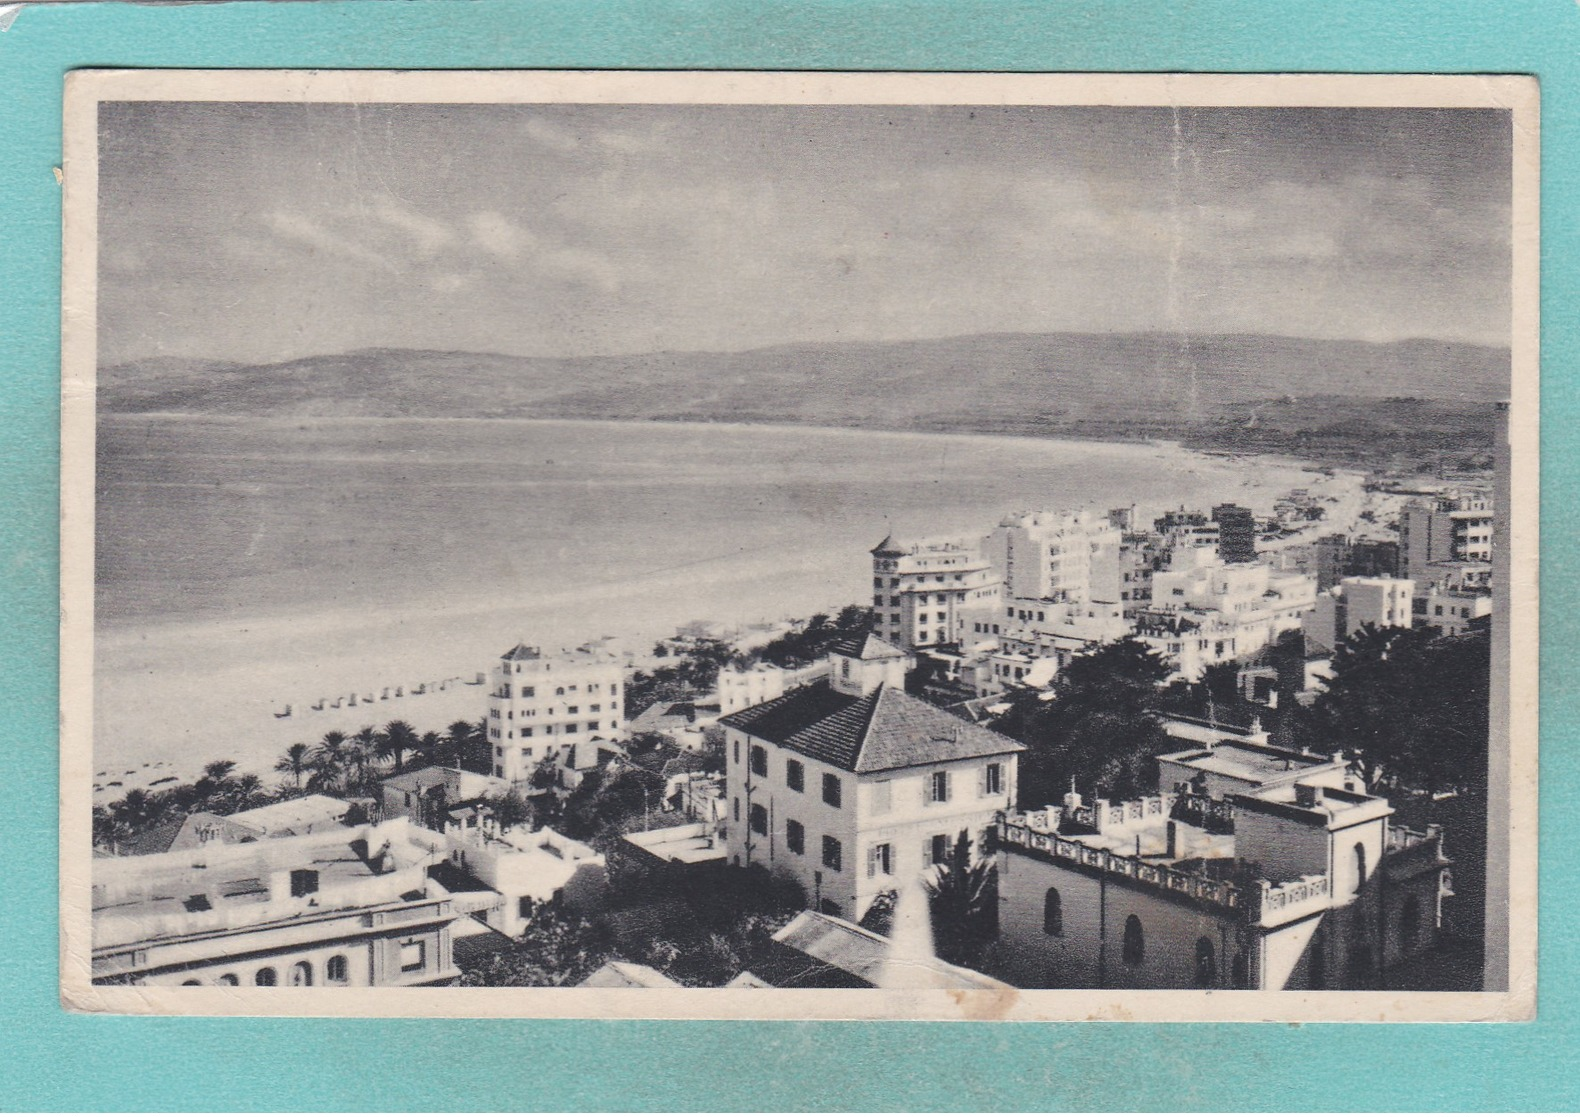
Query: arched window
193	981
1135	946
264	976
1206	964
302	973
229	979
1052	913
1409	923
335	970
1360	866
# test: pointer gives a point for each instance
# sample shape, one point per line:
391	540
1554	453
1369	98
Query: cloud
498	235
303	231
428	235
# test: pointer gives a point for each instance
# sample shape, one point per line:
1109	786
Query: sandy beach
448	559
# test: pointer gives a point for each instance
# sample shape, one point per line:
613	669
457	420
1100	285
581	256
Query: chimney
1307	795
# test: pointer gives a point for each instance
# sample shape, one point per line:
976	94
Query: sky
265	232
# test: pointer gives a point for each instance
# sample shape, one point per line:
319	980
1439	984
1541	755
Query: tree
963	897
294	763
431	748
1410	707
557	948
327	763
1099	730
397	739
509	809
361	751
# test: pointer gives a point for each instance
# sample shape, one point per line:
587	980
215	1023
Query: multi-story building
1447	529
1057	556
347	907
1353	604
1211	612
1264	869
751	686
429	795
541	706
1453	612
1236	533
925	593
851	788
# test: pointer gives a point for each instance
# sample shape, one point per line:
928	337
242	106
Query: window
795	775
759	818
559	692
882	796
759	757
831	789
993	780
1206	964
938	787
570	727
573	709
592	727
833	853
527	692
735	810
304	882
1134	947
413	956
795	836
938	849
1053	913
302	973
193	981
336	971
264	976
1360	866
499	770
880	860
735	752
229	979
1409	923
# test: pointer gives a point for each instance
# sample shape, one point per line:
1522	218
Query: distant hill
1097	385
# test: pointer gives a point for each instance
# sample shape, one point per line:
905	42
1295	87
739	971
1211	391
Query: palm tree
458	741
360	752
963	893
395	742
295	763
220	771
247	792
328	762
431	748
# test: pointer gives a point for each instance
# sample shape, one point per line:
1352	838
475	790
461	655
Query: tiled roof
866	647
872	733
522	651
888	546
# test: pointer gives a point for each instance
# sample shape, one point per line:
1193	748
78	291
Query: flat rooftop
693	844
1247	761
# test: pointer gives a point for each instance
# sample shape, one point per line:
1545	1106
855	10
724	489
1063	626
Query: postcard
799	545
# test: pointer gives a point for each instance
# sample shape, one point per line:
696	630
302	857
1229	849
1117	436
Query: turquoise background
52	1060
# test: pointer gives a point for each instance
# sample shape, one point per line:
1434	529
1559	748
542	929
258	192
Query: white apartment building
1057	556
850	787
1452	612
925	593
540	706
1211	612
751	686
1355	602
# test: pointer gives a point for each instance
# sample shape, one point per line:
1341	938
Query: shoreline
183	691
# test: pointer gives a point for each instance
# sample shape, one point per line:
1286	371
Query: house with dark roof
851	787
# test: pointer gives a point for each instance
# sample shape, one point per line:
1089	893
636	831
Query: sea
247	565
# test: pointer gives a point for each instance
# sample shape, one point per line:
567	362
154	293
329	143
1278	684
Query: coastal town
1212	748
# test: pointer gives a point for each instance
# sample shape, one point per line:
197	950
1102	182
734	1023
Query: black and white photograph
799	545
